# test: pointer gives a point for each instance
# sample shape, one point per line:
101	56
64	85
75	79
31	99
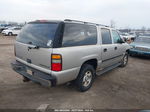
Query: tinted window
106	37
40	34
116	36
143	39
78	35
17	28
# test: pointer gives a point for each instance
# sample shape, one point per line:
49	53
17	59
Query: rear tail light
15	50
56	62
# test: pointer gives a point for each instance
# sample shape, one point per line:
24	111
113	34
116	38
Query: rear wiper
33	47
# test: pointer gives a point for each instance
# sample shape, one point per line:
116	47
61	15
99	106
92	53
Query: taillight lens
15	50
56	62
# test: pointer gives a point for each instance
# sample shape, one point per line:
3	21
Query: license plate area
29	71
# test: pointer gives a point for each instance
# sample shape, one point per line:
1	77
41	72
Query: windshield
143	39
123	34
39	34
10	28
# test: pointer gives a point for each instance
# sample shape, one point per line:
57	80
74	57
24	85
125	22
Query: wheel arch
10	32
93	62
127	51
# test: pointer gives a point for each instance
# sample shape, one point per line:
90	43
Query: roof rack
85	22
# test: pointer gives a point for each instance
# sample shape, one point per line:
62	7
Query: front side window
79	35
116	36
106	36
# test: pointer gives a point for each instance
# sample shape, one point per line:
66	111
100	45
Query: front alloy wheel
10	34
124	60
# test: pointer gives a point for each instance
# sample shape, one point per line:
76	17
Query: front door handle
115	48
105	50
29	61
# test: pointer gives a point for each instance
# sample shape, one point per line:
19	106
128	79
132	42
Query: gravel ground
121	88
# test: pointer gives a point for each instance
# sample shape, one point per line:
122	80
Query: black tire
10	34
132	55
86	69
25	79
124	61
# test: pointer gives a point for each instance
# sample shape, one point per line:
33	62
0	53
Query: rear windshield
39	34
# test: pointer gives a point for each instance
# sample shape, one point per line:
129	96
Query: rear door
108	55
34	44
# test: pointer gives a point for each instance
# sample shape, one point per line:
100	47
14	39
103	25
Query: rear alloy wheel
10	34
124	60
85	78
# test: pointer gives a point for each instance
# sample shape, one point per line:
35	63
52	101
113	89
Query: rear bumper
138	52
36	76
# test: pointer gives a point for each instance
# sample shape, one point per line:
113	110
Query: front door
107	50
118	47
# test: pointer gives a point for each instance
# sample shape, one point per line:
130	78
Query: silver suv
56	52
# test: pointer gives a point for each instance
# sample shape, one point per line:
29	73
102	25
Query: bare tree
2	22
148	29
143	29
112	23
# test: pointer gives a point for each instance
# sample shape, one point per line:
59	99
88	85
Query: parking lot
121	88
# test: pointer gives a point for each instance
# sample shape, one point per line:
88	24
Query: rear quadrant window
79	35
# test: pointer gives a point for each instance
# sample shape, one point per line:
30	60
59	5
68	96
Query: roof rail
74	21
103	25
85	22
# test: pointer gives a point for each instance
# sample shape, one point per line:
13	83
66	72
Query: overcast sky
126	13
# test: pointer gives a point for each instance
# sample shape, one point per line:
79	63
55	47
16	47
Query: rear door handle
115	48
105	50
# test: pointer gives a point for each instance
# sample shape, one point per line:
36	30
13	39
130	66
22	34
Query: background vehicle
55	52
128	36
4	26
11	31
141	46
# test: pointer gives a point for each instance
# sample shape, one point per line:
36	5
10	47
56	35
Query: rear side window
39	34
106	36
79	35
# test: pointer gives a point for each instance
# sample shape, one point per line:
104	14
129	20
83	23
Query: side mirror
120	41
124	39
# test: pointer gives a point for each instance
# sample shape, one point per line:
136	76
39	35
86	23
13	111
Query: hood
7	30
141	44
